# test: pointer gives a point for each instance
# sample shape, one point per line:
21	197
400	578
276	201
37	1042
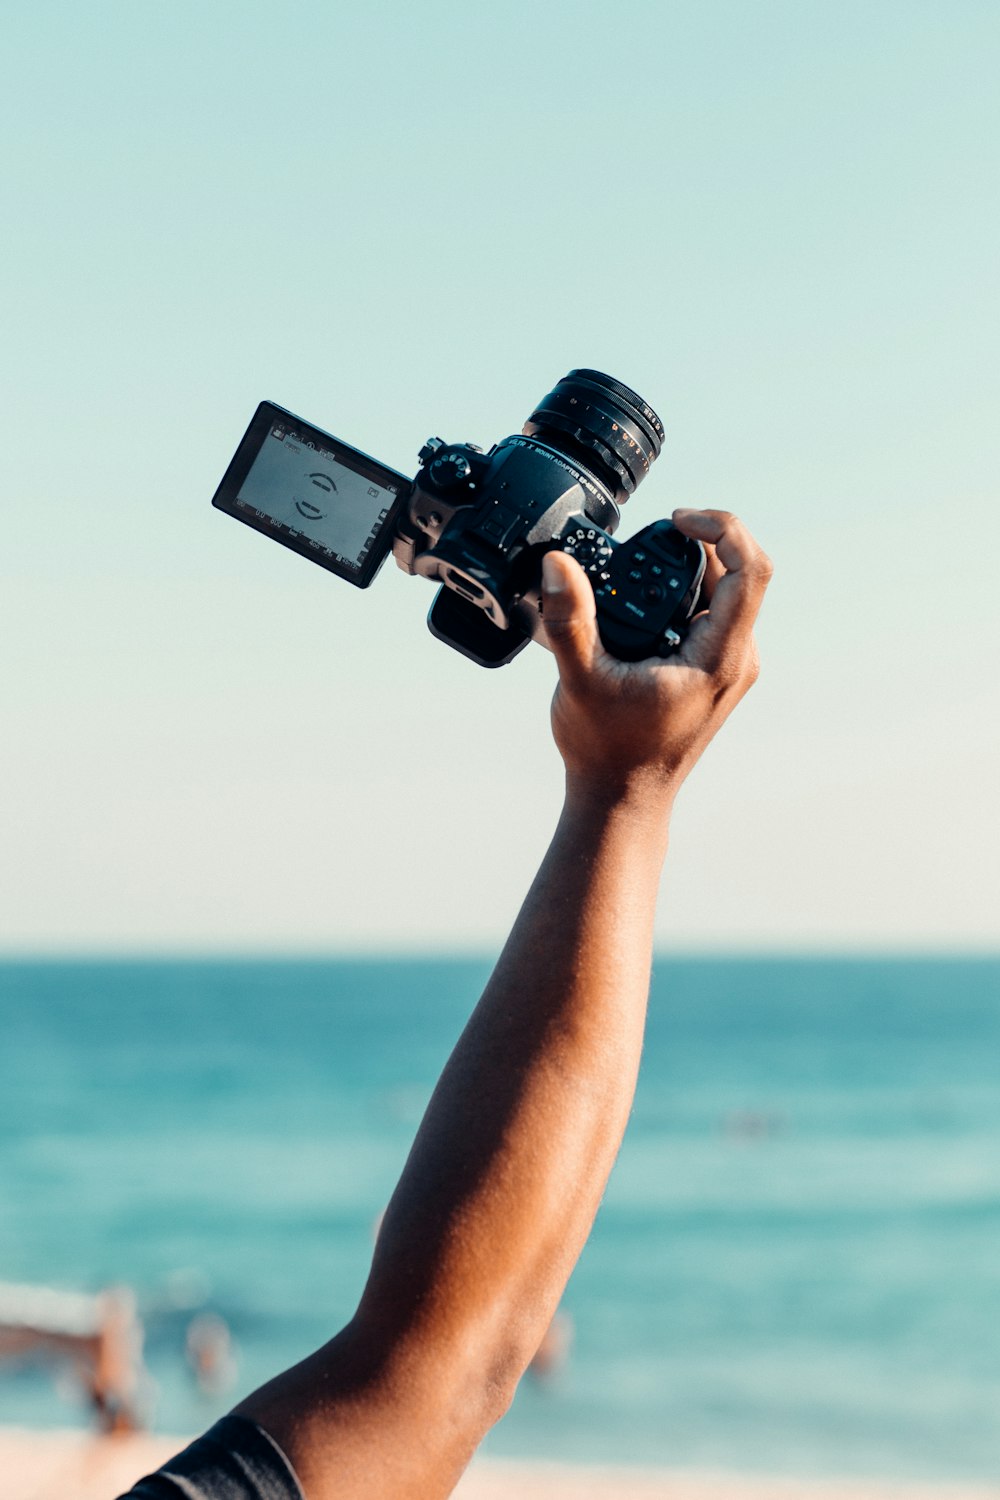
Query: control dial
450	469
591	549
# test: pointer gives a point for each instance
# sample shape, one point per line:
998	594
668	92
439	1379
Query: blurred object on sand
553	1352
99	1336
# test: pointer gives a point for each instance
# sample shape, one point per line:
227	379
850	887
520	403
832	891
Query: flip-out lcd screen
314	494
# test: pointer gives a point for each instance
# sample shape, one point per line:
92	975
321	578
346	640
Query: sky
778	222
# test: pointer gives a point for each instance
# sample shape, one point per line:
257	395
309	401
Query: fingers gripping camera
647	589
480	523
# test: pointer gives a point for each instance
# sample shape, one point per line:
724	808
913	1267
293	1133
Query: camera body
480	522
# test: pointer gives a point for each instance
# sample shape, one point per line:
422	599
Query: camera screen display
314	494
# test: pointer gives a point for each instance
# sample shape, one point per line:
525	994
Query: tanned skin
501	1187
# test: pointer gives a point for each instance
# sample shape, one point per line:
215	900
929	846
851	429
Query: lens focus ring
619	432
628	398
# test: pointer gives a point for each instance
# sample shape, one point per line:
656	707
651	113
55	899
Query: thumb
569	613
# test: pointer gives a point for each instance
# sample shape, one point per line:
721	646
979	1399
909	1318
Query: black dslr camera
480	522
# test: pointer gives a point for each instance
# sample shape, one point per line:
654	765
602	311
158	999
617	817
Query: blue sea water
796	1266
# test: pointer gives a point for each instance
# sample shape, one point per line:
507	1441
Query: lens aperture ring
645	413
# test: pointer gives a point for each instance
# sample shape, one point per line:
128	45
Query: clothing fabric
234	1460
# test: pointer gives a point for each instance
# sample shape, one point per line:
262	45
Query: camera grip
647	589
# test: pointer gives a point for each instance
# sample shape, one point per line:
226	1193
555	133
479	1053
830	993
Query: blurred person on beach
210	1355
99	1336
506	1174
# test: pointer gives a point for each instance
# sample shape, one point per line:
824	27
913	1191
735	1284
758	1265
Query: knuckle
756	560
728	671
736	670
562	627
763	566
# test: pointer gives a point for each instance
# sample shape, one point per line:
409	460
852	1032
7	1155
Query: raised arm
508	1167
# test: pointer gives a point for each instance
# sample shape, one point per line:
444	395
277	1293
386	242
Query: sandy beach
54	1465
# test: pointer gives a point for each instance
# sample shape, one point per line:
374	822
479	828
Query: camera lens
602	424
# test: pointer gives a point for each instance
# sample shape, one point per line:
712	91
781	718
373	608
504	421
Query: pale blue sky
777	221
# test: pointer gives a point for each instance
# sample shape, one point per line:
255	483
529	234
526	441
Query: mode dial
450	469
591	549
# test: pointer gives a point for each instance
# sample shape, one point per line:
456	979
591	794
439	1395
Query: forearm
503	1181
509	1165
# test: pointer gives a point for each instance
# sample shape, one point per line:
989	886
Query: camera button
675	547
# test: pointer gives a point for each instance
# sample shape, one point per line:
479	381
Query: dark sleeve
235	1460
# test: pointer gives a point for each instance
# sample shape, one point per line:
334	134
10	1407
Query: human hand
620	725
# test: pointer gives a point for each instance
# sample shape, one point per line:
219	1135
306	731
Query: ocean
796	1267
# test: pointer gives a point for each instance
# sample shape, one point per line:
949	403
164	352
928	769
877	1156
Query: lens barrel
602	424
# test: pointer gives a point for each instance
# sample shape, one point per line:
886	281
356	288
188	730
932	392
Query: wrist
642	797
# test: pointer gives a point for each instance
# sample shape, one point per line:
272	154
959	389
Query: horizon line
888	952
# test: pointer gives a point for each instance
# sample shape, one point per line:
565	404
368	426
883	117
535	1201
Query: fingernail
552	574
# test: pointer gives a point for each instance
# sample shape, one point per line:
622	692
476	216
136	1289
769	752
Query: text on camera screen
310	494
